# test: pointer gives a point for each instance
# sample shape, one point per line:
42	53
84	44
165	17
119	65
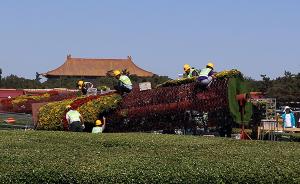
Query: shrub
291	137
65	157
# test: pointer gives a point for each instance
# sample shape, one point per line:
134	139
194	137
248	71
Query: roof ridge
101	58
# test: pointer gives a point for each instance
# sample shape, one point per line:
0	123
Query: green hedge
66	157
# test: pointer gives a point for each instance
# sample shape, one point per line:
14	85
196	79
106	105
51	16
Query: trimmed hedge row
292	137
66	157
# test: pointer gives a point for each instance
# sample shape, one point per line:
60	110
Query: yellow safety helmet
80	83
210	65
98	122
68	107
117	72
186	67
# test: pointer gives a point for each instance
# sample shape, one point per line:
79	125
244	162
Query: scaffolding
268	126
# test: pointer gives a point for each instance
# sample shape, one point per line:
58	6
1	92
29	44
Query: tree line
13	81
286	89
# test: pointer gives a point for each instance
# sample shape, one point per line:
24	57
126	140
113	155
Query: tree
0	77
265	84
37	77
287	74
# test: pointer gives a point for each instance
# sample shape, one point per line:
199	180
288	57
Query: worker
99	128
124	83
74	119
206	75
189	72
288	118
84	86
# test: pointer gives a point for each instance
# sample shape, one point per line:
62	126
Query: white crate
91	91
145	86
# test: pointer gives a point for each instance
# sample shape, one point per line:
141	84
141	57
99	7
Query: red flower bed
26	106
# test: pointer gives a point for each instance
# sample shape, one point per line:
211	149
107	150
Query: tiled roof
96	67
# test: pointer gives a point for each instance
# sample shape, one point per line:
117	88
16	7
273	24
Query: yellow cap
210	65
98	122
186	67
117	72
68	106
80	83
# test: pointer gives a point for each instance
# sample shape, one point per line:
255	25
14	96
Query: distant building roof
95	67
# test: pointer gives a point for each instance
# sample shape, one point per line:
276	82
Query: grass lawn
65	157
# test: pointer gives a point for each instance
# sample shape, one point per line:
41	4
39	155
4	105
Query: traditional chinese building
89	68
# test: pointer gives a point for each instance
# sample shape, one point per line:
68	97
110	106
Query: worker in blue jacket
288	118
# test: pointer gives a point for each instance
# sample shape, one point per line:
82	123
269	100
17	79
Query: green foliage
285	89
103	88
65	157
291	137
13	81
155	79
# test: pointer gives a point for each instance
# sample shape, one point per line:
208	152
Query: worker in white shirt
74	119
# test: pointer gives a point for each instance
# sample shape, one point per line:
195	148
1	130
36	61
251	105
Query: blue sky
254	36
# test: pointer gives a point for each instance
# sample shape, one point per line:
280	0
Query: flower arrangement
6	105
92	109
228	73
219	75
22	104
24	98
52	116
177	82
